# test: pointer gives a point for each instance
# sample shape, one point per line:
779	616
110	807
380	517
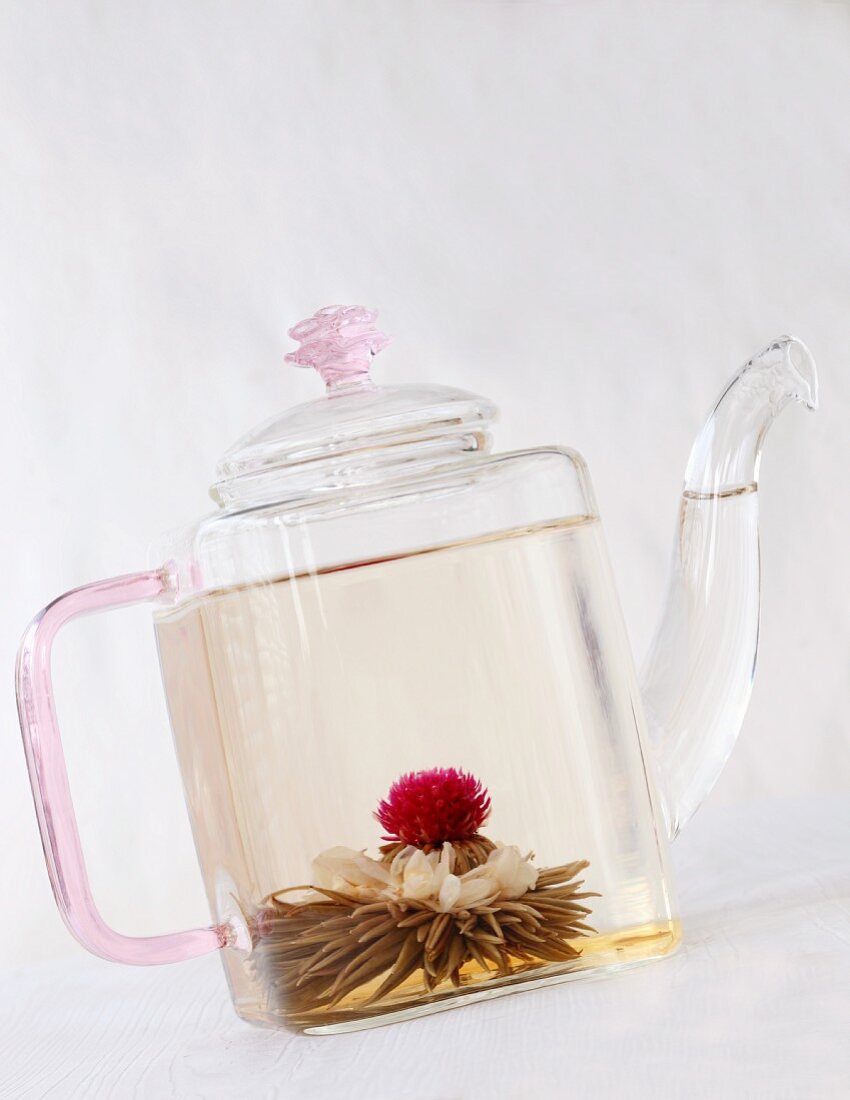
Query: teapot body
465	623
410	730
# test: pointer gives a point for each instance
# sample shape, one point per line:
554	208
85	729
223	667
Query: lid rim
294	483
380	421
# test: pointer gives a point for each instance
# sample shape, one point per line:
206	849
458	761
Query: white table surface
755	1004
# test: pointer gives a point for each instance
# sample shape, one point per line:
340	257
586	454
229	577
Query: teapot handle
49	779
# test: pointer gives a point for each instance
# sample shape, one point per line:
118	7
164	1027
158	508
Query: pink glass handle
49	779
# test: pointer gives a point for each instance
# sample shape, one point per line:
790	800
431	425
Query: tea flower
438	900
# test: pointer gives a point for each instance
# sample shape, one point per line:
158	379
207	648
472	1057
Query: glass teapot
420	767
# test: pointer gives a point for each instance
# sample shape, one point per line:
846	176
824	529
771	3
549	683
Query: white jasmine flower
429	878
514	873
422	876
449	893
418	877
477	887
349	872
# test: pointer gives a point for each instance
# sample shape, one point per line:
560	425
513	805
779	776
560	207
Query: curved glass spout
698	676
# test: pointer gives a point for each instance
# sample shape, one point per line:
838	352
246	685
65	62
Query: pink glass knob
339	342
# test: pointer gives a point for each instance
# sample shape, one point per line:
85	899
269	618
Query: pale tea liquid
296	703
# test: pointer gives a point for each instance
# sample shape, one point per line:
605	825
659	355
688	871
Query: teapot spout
698	676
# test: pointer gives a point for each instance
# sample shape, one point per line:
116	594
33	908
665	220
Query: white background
591	212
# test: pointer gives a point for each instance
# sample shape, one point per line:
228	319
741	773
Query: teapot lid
359	433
